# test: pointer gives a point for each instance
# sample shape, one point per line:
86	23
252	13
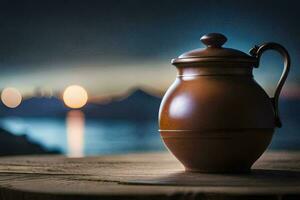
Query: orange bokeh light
11	97
75	96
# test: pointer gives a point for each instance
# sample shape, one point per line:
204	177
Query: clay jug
215	117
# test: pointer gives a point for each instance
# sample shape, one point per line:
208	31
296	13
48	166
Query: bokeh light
11	97
75	96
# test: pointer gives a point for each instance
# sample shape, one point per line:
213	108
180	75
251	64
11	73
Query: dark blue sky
110	46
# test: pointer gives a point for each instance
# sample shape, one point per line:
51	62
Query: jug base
207	171
218	151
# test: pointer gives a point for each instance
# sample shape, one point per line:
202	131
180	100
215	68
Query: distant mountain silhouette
36	107
138	105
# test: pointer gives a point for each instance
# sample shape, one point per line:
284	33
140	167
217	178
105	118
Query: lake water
76	136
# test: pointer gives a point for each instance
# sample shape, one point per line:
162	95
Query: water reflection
75	133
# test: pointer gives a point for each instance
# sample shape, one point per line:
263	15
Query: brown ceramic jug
215	117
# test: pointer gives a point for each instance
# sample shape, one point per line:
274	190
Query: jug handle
257	52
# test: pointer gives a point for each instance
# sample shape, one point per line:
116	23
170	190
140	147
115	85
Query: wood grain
144	176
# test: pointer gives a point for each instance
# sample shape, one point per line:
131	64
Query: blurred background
86	77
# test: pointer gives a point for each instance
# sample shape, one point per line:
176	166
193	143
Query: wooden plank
149	176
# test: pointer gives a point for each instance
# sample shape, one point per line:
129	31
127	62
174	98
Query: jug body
215	122
215	117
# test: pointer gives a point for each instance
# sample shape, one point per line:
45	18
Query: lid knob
213	40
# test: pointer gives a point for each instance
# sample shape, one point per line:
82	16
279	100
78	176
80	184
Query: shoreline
11	144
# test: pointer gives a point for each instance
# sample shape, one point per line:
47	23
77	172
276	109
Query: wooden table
144	176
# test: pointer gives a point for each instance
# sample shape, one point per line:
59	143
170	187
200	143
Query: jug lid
214	53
